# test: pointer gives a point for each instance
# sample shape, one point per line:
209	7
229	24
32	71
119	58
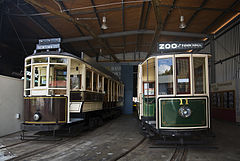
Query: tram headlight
36	116
185	111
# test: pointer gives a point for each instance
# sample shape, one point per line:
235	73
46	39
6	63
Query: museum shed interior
119	80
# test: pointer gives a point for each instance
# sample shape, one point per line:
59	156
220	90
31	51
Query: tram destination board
173	46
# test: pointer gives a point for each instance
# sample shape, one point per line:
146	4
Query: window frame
91	80
174	75
189	76
206	78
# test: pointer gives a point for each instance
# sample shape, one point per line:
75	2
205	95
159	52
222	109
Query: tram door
149	90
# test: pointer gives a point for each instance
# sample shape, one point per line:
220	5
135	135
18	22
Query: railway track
130	150
41	150
180	153
46	148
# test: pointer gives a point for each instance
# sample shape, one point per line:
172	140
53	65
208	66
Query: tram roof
176	53
172	53
86	59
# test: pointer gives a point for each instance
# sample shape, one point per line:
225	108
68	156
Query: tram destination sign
165	46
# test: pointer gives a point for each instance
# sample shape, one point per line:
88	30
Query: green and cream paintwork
167	106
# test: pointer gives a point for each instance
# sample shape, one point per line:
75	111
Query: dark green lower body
170	115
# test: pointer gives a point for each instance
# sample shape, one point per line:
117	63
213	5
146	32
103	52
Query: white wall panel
11	103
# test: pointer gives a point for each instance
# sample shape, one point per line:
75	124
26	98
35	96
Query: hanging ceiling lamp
182	24
104	24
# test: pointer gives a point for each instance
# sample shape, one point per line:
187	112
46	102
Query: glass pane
106	85
100	83
58	60
58	76
40	76
88	80
95	81
28	61
75	81
149	88
165	76
113	92
28	77
40	60
199	75
183	76
27	92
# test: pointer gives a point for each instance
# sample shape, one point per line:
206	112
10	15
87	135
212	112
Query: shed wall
225	46
11	103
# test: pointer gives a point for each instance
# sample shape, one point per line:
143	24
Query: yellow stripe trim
44	122
41	97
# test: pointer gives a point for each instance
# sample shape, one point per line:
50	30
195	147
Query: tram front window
199	75
58	76
183	75
165	76
40	76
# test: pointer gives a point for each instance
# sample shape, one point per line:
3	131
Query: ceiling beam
143	21
168	14
96	14
43	24
156	7
48	15
123	25
77	27
72	20
127	33
235	3
195	8
33	20
140	24
195	14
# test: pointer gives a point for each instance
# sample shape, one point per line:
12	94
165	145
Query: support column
127	78
212	67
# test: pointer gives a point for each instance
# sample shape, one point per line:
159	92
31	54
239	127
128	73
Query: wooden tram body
61	88
173	94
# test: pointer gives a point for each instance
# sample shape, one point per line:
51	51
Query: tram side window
149	88
100	83
58	60
106	85
199	75
40	60
58	76
113	91
95	81
28	77
165	76
75	81
183	75
40	76
88	79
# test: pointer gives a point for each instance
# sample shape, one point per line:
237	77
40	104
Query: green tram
173	94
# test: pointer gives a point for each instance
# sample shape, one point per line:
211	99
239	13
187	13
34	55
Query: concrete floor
119	139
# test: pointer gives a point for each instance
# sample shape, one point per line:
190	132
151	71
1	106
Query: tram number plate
179	46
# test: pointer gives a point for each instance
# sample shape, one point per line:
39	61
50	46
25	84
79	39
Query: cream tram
61	88
173	94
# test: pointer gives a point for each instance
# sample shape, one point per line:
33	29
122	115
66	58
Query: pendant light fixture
182	24
104	23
